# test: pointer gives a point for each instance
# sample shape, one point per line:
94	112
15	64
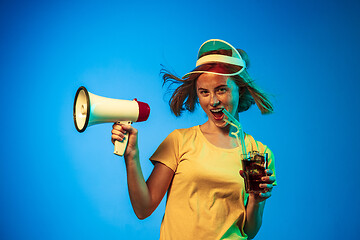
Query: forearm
138	191
254	214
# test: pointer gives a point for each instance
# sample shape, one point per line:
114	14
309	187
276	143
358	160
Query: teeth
216	110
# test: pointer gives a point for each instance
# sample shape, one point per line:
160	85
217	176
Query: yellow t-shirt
206	199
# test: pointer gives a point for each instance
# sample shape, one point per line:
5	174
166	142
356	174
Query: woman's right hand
118	134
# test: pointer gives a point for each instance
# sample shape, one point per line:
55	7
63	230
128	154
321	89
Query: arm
144	196
255	206
254	214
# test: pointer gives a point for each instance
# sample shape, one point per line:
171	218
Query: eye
222	90
204	92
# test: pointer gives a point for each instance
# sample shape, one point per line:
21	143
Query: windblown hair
185	97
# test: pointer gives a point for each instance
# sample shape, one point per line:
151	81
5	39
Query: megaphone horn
90	109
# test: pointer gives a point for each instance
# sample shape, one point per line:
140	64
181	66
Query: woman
200	167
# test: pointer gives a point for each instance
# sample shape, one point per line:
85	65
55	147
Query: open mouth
217	113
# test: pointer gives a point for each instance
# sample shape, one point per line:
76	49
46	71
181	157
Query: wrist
254	201
132	158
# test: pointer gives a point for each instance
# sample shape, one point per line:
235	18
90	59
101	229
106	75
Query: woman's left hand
266	184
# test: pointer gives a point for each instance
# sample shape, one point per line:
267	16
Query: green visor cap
218	51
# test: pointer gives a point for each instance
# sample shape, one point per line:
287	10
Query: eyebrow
221	86
200	88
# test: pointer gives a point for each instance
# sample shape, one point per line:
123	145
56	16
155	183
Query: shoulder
184	136
257	145
185	132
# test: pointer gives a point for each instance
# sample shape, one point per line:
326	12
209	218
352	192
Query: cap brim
215	45
235	71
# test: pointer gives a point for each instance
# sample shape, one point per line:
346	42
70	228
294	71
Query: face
216	92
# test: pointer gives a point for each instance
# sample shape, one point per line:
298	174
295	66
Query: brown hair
185	97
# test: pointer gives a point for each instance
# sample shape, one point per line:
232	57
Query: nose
214	101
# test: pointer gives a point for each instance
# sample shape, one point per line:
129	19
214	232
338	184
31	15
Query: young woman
200	167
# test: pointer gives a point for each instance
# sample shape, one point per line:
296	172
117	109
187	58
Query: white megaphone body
90	109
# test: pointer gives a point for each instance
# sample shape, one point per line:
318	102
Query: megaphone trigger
120	147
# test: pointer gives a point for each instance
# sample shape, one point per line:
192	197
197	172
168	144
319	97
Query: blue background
59	184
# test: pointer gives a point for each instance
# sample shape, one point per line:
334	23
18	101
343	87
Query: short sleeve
263	148
271	163
168	151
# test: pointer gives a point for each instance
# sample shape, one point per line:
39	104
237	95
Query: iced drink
254	165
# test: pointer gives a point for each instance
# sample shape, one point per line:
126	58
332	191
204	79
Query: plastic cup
254	165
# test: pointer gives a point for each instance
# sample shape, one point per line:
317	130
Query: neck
210	127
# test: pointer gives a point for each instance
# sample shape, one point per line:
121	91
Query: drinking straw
234	122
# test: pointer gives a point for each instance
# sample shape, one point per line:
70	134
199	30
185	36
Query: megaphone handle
119	147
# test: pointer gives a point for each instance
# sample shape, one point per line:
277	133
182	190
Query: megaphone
90	109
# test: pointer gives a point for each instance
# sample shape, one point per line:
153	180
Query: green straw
234	122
